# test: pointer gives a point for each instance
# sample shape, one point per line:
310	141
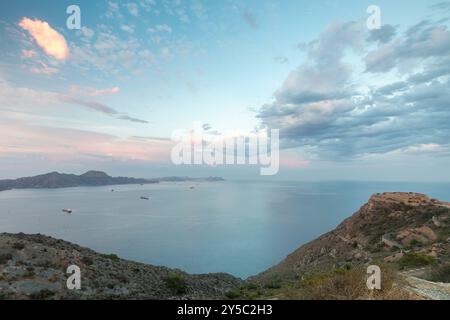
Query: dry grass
346	284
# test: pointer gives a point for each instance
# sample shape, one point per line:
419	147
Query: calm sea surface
237	227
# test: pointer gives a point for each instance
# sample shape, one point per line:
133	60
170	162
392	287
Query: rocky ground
34	267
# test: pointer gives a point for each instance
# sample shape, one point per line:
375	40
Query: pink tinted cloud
100	92
292	160
51	41
65	143
28	54
44	69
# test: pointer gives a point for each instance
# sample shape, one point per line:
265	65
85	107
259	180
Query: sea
234	226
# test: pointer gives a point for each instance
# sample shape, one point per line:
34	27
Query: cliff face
34	267
388	227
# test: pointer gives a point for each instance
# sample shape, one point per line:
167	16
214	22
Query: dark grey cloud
384	35
90	104
206	126
441	6
392	88
99	107
425	40
128	118
281	59
322	109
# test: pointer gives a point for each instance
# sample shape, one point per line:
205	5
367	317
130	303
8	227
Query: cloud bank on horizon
342	95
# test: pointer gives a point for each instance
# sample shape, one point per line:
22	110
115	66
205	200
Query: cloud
326	111
100	92
28	54
324	76
250	19
160	28
127	28
281	59
44	69
87	33
52	42
441	6
384	35
67	144
128	118
100	108
24	99
206	126
422	41
425	147
132	8
89	104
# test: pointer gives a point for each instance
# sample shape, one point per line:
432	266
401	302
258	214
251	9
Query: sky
351	103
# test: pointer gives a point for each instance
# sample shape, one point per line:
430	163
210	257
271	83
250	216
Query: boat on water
144	198
67	210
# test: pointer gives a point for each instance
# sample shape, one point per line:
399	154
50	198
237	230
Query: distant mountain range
90	178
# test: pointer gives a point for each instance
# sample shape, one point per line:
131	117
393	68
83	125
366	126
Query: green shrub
416	260
273	284
415	243
18	246
4	258
233	294
176	283
111	256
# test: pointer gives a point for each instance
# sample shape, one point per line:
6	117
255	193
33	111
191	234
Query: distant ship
67	210
144	198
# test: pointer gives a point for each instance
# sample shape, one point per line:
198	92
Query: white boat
67	210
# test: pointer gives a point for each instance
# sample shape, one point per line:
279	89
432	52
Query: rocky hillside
407	233
34	267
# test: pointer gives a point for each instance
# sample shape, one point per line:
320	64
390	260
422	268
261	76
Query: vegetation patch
18	246
443	233
4	258
87	260
111	256
415	243
249	291
176	283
